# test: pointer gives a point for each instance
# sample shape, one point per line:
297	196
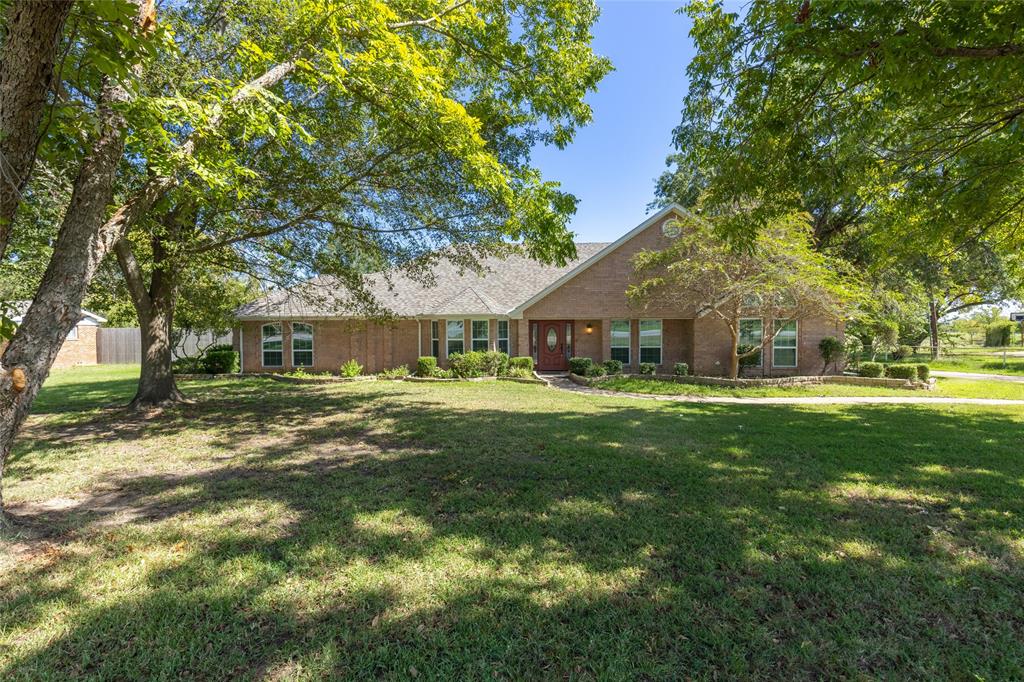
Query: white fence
123	345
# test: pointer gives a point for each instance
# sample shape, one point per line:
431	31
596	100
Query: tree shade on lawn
503	530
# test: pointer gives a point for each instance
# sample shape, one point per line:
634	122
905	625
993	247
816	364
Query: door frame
560	326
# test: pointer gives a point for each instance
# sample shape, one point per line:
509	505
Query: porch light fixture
590	328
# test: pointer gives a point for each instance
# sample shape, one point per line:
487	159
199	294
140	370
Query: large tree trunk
734	356
933	328
33	29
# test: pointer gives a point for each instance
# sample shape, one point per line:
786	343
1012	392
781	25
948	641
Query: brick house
520	307
81	345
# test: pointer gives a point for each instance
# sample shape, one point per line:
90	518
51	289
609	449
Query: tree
780	276
421	142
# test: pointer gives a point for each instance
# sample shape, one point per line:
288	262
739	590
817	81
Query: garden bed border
883	382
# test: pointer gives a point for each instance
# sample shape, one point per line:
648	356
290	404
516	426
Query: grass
945	388
388	530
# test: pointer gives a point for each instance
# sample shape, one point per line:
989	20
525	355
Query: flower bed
773	381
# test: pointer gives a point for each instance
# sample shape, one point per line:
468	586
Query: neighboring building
80	347
519	306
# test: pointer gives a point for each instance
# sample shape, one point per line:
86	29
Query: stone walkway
978	377
563	383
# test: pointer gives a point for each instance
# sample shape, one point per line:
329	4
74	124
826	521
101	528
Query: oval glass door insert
552	339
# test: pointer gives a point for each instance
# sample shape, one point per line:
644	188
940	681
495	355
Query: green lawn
945	388
494	530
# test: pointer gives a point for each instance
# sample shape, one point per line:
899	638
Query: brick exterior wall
711	357
80	351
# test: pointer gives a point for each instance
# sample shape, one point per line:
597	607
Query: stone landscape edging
885	382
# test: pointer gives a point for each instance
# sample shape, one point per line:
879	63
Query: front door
553	353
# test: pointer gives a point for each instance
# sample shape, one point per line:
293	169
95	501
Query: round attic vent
670	228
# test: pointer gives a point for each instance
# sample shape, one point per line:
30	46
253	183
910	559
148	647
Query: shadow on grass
510	532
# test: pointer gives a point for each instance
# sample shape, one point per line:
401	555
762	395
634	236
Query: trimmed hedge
901	371
220	362
871	369
595	370
923	372
494	363
521	362
648	368
613	366
426	366
681	369
579	366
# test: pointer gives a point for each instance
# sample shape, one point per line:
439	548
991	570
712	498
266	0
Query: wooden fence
123	345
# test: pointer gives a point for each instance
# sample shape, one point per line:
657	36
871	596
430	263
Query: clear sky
613	163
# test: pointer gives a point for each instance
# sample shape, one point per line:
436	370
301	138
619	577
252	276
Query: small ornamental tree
831	350
778	276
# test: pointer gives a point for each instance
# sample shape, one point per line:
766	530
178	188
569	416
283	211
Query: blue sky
613	163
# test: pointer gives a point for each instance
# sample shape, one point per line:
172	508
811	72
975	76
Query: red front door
553	351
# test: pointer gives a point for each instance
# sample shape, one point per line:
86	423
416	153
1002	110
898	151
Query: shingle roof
506	283
21	307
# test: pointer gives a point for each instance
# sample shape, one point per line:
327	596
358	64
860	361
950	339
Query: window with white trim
481	334
650	341
620	341
752	334
503	336
273	345
435	338
73	334
534	333
455	336
784	345
302	344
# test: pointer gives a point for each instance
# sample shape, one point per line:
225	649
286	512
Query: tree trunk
33	29
734	356
156	381
933	328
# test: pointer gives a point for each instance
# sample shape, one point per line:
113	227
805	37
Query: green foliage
399	372
749	356
871	369
220	361
648	368
923	372
999	334
595	370
520	372
494	363
351	368
853	348
681	369
580	366
187	366
426	365
902	352
831	349
901	371
466	365
613	366
521	362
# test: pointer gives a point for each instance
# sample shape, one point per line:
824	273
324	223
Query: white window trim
312	350
263	341
661	340
629	339
73	334
761	320
473	338
796	346
448	339
499	338
435	337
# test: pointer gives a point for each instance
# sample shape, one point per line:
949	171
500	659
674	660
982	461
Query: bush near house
923	372
351	368
613	366
648	368
681	369
466	365
901	371
831	350
494	363
426	366
752	360
220	361
399	372
871	369
521	362
595	370
580	365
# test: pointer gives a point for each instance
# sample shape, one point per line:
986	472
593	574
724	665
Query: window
784	346
503	336
752	334
533	341
273	346
568	340
650	341
302	344
455	336
73	334
481	330
435	339
620	341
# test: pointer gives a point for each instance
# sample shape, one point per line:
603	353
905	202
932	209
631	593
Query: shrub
648	368
752	360
219	346
902	352
186	366
580	365
426	366
521	362
520	372
923	372
466	365
831	349
443	373
681	369
853	348
613	366
399	372
595	370
220	362
494	363
871	369
901	371
998	334
351	369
